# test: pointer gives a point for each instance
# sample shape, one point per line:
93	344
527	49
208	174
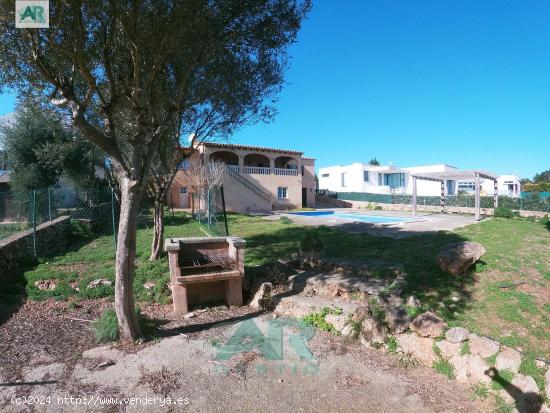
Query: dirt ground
48	354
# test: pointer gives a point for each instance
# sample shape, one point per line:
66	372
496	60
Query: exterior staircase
237	183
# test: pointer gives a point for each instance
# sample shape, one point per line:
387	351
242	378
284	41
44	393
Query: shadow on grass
525	402
416	255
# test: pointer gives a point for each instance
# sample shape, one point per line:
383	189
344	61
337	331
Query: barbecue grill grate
206	263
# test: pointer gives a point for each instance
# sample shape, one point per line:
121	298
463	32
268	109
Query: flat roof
455	175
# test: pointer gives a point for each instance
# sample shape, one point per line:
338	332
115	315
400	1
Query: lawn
9	229
505	298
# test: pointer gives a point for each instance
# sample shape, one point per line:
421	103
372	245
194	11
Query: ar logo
35	13
248	336
32	14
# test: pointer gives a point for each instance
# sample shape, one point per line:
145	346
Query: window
184	164
325	175
394	180
366	176
183	190
343	177
282	192
466	186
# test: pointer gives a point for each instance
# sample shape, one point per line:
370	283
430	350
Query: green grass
465	348
7	230
392	344
517	251
444	367
505	375
317	320
480	391
529	367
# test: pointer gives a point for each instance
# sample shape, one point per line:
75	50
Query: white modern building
390	179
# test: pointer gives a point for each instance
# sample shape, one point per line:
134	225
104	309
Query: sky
461	82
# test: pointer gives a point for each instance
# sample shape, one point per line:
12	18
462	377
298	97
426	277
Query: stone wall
16	250
437	209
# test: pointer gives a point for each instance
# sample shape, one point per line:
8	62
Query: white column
477	200
414	196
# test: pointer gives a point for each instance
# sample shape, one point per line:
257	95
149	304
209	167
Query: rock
413	302
44	372
449	349
105	364
100	281
361	313
508	359
428	324
349	331
148	285
262	298
74	285
457	258
540	364
470	368
299	306
483	346
372	332
547	383
337	321
45	284
192	314
397	319
397	286
420	347
529	399
457	335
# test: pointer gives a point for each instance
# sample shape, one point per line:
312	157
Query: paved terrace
427	222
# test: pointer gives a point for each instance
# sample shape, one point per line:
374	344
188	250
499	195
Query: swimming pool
351	216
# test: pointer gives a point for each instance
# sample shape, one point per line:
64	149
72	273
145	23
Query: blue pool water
350	216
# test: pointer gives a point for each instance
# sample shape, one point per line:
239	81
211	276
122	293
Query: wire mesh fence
533	203
211	213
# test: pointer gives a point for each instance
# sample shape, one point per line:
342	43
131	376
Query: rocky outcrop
457	335
428	324
262	297
508	359
483	346
457	258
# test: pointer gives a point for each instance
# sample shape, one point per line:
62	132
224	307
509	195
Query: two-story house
256	178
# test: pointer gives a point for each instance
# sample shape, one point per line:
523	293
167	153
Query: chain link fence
533	203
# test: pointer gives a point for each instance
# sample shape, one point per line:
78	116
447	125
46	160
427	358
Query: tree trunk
158	235
131	193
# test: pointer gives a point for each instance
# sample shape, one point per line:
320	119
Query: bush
106	327
312	242
285	220
505	212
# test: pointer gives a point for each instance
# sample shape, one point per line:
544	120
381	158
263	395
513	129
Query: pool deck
427	223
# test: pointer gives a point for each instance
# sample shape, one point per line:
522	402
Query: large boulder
483	346
457	258
373	331
508	359
262	297
428	324
419	347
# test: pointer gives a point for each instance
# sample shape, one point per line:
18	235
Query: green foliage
506	375
491	361
529	367
377	311
542	177
502	406
374	162
106	327
413	311
378	208
40	149
285	220
318	319
444	367
465	348
480	391
505	212
312	241
392	344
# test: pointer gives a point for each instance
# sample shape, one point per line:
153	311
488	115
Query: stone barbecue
205	270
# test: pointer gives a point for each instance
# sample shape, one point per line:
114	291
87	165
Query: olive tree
135	75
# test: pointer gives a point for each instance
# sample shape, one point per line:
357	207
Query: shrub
378	208
318	320
312	242
106	328
285	220
391	343
505	212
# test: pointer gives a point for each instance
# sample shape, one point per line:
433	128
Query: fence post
49	204
34	222
113	214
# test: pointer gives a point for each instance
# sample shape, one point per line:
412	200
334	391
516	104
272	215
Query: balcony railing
260	170
283	171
